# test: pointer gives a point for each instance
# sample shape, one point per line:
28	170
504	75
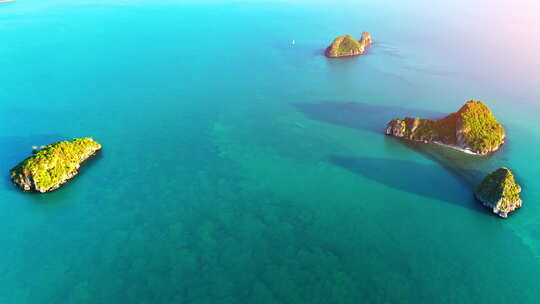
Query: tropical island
499	192
346	45
473	129
54	165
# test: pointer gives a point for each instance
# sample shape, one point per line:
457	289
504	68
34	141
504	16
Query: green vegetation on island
473	129
347	45
53	165
500	192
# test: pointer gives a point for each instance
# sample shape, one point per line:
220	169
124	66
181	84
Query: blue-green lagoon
239	168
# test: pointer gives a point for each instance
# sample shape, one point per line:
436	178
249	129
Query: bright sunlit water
238	168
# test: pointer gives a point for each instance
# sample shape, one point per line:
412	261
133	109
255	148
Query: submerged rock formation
346	45
52	166
499	192
473	129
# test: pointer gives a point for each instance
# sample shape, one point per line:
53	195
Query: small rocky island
346	45
473	129
499	192
53	165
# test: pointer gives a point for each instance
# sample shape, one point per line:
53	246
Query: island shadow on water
367	117
408	176
374	118
468	169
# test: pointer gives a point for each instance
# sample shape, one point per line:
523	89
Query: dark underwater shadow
360	116
471	169
373	118
408	176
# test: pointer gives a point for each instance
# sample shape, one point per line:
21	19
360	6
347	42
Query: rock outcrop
473	129
53	165
346	45
499	192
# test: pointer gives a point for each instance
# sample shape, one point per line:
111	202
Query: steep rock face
476	127
473	129
366	39
52	166
500	192
397	128
346	45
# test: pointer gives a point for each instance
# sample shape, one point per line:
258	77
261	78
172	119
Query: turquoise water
238	168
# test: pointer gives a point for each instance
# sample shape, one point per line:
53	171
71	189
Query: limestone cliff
347	45
500	192
473	129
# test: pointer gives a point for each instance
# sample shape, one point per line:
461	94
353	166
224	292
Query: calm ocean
239	168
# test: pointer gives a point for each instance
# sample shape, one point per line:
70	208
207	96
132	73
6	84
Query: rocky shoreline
500	192
54	165
347	46
473	130
457	148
